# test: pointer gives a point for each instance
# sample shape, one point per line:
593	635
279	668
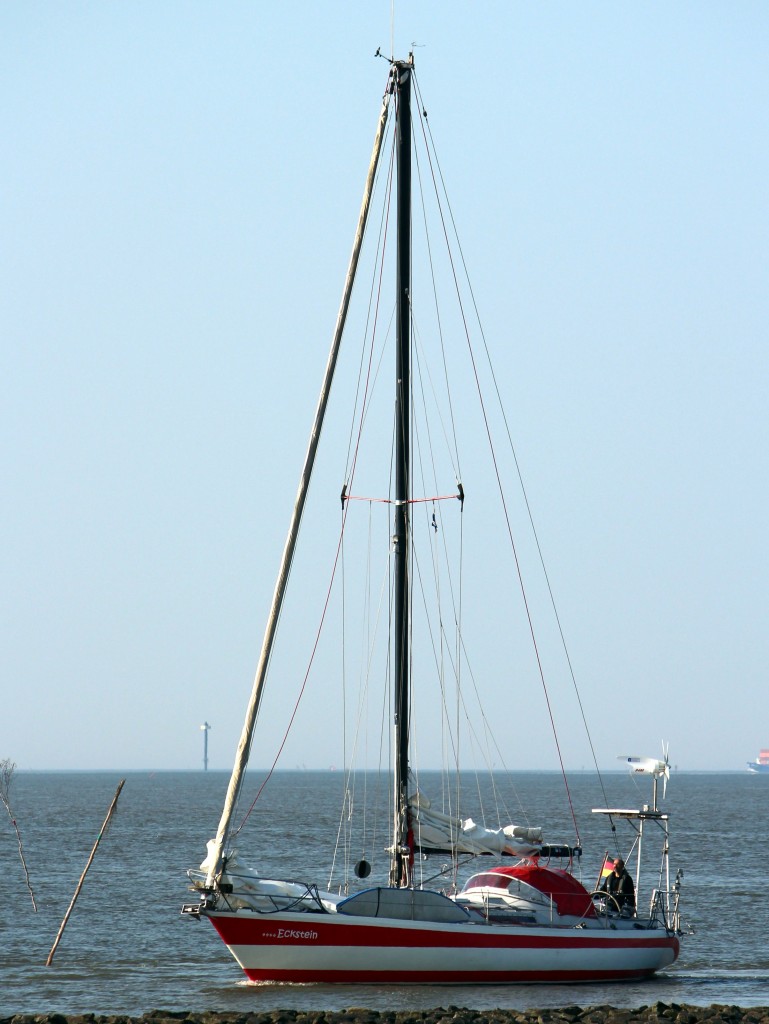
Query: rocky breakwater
658	1013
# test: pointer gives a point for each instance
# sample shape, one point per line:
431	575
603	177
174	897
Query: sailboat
529	917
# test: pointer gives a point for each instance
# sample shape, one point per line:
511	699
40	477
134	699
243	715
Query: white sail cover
251	891
434	830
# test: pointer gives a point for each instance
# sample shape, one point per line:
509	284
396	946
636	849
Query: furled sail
434	830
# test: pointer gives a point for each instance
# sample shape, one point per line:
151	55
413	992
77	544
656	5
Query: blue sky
179	187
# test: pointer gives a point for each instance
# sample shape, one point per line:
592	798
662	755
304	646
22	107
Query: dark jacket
621	888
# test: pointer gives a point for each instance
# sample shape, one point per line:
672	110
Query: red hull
293	948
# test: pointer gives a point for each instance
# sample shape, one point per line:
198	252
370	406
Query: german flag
608	867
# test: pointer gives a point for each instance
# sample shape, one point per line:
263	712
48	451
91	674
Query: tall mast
399	873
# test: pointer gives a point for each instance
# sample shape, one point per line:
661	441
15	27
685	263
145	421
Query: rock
659	1013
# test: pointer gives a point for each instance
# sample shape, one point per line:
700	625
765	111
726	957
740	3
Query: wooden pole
7	768
85	872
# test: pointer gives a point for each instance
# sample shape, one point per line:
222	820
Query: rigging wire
516	462
423	368
431	150
364	691
347	792
375	294
439	647
365	382
327	600
453	804
439	322
372	318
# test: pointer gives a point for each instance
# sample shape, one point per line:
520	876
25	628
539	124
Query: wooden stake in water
7	768
112	807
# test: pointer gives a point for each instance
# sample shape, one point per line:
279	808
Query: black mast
399	870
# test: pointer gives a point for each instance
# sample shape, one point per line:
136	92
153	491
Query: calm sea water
127	950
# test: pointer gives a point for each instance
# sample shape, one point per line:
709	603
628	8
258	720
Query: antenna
205	727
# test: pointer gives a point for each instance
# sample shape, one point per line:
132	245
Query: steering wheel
604	902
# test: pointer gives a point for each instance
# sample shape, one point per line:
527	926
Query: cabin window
487	881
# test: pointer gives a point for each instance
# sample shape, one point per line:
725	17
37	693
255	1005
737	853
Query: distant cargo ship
762	764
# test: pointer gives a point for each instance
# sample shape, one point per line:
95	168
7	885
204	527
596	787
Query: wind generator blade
666	759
